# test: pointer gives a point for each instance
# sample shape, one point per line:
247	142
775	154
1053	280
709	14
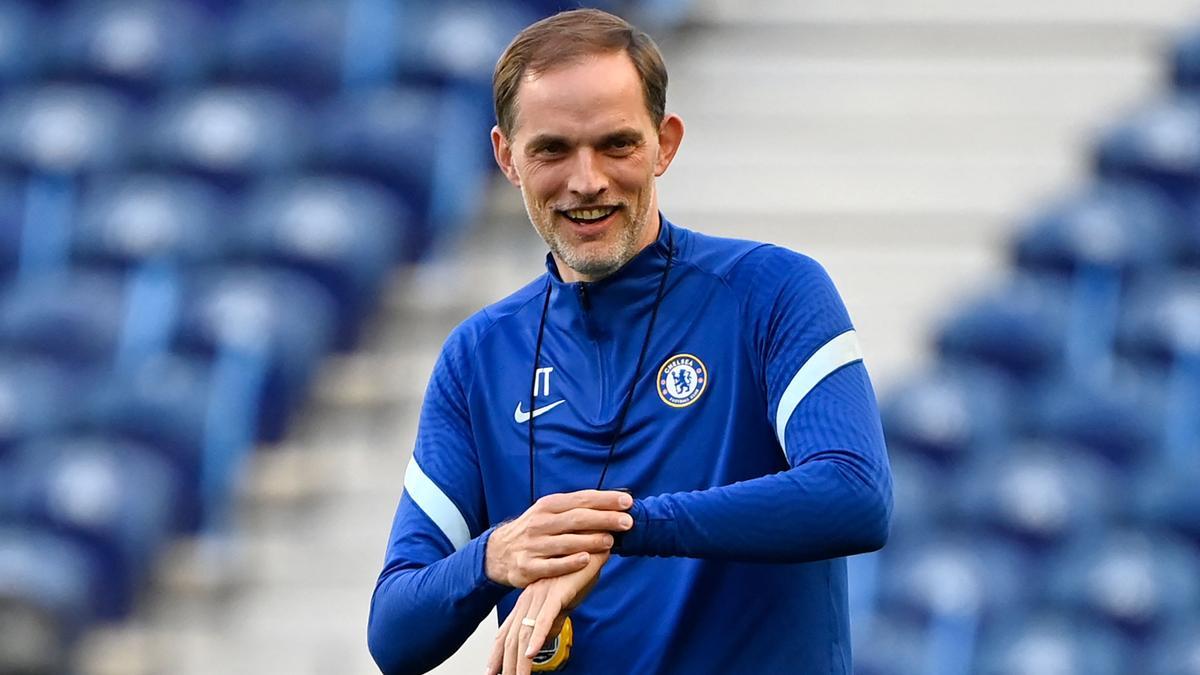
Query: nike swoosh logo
522	417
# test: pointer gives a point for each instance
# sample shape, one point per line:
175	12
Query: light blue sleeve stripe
436	505
839	351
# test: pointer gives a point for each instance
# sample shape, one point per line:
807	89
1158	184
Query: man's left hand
547	602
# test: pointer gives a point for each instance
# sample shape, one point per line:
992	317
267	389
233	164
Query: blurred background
234	233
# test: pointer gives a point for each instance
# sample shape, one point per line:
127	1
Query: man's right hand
555	535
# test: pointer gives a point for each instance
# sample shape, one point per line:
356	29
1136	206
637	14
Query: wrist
493	559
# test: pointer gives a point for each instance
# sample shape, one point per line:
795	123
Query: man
717	381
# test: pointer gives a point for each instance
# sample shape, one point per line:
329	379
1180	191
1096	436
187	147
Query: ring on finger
529	621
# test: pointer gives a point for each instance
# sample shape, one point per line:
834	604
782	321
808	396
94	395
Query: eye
554	148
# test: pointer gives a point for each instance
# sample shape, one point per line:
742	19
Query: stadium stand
201	203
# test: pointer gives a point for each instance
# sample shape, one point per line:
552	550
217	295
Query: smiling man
717	383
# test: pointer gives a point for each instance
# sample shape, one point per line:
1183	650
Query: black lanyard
662	287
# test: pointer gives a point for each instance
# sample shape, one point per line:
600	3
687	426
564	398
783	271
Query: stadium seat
287	319
1159	144
950	413
1019	329
1161	324
115	498
63	129
459	41
12	220
1052	642
161	403
1185	60
229	135
1165	498
1175	651
47	589
21	50
36	398
299	45
76	320
387	135
920	495
345	234
895	646
1120	421
131	219
1137	582
1123	227
1038	495
140	46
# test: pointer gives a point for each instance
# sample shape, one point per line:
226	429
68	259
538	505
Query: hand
547	602
555	535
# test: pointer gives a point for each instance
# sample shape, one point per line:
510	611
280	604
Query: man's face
585	154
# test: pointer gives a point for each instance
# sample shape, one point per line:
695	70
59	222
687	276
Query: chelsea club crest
682	380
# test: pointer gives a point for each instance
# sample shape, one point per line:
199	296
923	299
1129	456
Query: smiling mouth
589	216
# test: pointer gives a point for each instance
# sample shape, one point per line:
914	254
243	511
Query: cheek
544	183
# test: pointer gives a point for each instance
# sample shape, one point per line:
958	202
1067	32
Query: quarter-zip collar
608	305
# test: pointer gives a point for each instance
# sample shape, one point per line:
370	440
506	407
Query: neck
570	275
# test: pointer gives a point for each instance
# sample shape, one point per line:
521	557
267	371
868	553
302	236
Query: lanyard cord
662	287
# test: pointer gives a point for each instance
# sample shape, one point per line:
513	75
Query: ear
503	152
670	135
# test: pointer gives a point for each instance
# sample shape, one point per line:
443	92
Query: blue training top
753	447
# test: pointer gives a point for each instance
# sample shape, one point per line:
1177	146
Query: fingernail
626	501
583	557
608	540
626	522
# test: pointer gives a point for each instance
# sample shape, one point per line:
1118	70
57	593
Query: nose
587	181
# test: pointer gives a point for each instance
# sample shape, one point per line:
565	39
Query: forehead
590	96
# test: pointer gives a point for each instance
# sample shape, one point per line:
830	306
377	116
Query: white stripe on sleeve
440	509
839	351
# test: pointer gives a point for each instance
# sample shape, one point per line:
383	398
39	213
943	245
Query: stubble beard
594	264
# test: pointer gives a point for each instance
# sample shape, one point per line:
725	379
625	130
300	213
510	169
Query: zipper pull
583	296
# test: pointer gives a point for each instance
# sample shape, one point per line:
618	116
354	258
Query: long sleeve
835	499
433	591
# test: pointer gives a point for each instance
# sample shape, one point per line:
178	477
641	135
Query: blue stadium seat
168	402
1161	323
130	219
950	413
51	575
1166	499
114	498
36	398
141	46
345	234
229	135
1052	642
1185	60
76	320
1123	227
297	44
12	220
289	320
1120	421
387	135
459	41
921	497
953	582
21	50
889	645
1158	144
1174	652
1019	329
63	129
1038	495
1137	582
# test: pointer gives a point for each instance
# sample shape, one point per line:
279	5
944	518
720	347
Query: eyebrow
628	135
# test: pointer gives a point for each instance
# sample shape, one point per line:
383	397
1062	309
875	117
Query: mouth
591	219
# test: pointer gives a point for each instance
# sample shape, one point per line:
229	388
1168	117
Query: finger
520	611
524	660
496	658
547	617
604	500
587	520
545	568
570	544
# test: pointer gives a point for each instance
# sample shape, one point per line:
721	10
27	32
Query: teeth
589	214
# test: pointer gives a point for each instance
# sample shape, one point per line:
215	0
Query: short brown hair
568	37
